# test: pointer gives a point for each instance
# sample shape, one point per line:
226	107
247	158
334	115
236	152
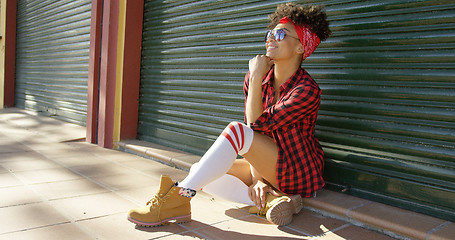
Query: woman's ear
299	49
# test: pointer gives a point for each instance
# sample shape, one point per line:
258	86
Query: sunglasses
279	34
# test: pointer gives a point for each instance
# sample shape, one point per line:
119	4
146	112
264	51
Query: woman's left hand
259	66
257	193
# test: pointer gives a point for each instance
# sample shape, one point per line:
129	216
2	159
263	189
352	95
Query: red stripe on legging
241	134
232	127
231	141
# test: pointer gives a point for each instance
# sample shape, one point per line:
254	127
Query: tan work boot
166	205
279	210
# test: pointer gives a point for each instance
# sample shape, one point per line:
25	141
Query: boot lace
268	205
157	201
264	209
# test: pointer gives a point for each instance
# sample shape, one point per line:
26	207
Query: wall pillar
114	71
8	53
130	69
93	71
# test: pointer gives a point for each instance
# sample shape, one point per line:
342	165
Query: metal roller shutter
193	62
53	39
387	117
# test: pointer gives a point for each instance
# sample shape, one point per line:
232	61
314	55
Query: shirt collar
289	83
296	77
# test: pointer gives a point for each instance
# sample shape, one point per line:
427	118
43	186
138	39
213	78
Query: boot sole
280	214
296	203
179	219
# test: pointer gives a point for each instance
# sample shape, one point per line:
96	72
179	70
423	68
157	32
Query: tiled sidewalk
54	186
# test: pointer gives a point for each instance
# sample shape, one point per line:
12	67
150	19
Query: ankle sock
186	192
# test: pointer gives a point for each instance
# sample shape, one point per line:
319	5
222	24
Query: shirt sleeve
300	102
245	91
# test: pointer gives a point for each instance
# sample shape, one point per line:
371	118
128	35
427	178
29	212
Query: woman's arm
302	101
258	190
258	67
254	107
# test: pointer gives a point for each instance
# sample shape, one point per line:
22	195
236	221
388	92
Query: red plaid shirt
290	122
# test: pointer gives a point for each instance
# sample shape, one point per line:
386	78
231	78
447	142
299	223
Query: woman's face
288	48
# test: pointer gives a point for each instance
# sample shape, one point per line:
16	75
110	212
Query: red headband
310	41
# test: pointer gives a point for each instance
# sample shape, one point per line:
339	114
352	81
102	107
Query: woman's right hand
257	192
259	66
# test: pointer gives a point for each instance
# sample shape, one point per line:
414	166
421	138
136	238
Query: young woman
283	160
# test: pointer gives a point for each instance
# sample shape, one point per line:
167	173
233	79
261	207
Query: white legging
210	172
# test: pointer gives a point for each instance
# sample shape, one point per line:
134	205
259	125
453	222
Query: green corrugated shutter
193	62
387	117
52	51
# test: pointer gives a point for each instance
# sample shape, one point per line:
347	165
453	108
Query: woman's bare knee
263	156
241	170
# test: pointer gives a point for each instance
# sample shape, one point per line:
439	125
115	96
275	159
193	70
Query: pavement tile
80	143
27	165
23	217
313	223
60	231
205	211
185	161
145	147
154	151
13	148
24	156
17	196
139	196
91	206
3	169
47	175
143	164
45	145
400	221
118	227
79	160
15	133
66	189
183	236
114	155
446	231
354	233
126	181
99	170
9	180
58	153
251	227
176	174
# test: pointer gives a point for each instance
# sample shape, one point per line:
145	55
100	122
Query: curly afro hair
313	16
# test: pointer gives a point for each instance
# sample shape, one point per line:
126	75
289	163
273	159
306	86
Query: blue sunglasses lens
279	34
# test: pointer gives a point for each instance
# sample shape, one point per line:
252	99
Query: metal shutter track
387	117
53	39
